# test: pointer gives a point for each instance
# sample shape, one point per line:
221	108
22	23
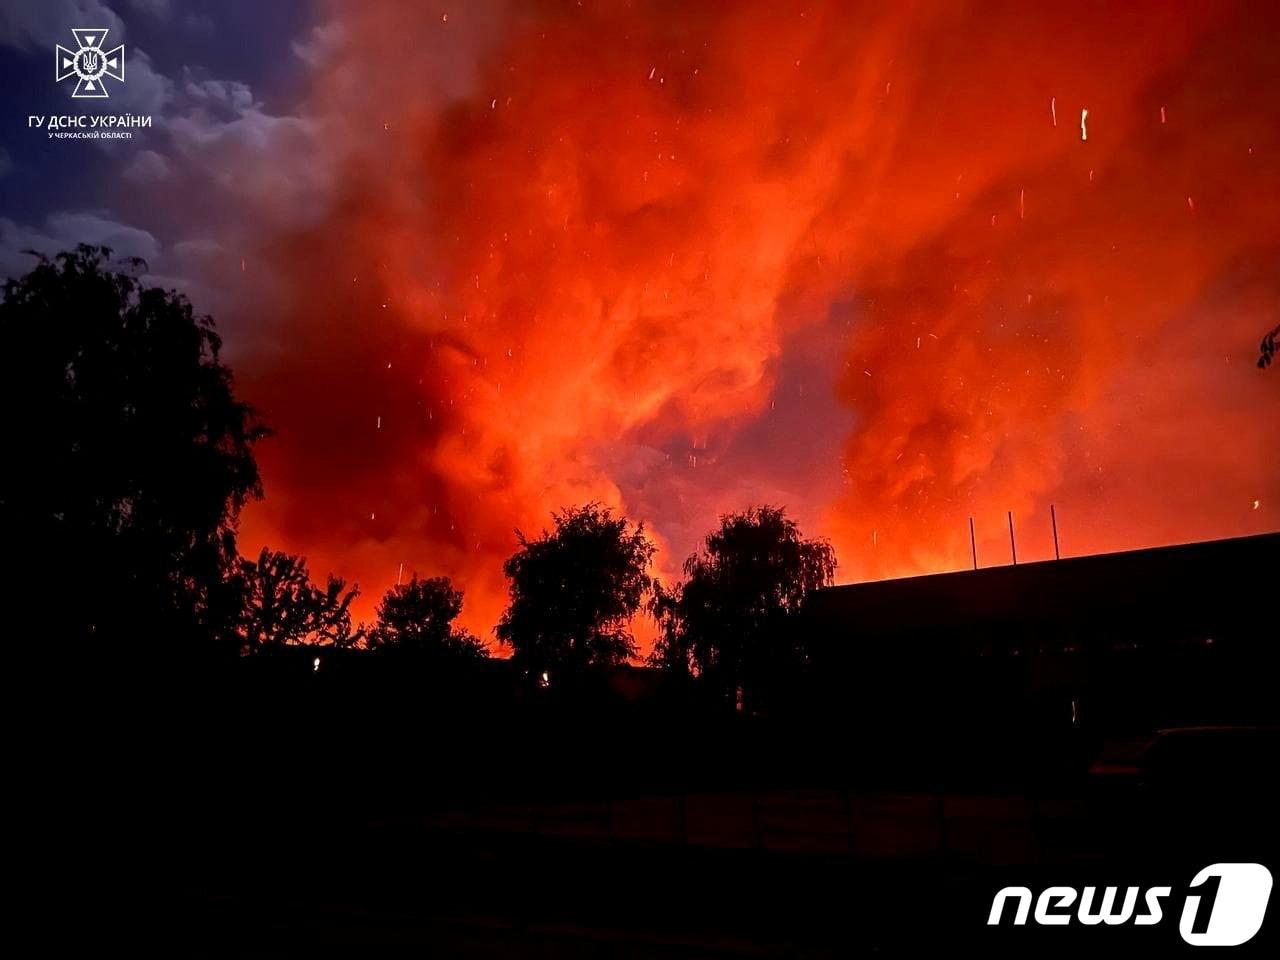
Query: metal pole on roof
1013	547
973	544
1053	516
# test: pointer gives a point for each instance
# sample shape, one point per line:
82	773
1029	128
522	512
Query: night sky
476	261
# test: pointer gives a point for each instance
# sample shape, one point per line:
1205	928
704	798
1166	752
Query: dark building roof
1224	585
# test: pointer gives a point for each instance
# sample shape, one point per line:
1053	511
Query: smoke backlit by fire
594	251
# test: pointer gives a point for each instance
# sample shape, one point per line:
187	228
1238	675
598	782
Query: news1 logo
1224	908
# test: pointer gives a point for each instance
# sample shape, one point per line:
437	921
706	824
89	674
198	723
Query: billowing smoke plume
877	264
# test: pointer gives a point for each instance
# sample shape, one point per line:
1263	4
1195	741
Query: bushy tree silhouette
416	618
574	592
280	605
731	621
1267	349
131	456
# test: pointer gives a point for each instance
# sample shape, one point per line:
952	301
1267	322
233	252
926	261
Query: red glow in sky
859	260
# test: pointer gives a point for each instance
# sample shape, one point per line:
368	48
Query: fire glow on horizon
681	258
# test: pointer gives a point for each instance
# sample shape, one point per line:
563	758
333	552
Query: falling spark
1162	117
1257	504
242	264
1022	204
1053	109
315	665
1084	130
400	573
379	423
1191	205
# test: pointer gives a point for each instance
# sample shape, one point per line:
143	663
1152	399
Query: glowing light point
1084	129
315	665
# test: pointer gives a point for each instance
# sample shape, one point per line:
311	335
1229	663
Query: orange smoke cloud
681	257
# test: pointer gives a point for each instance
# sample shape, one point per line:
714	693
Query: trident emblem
89	63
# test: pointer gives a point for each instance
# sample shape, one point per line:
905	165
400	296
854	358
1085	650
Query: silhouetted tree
575	591
731	621
1267	349
129	457
417	618
281	606
671	650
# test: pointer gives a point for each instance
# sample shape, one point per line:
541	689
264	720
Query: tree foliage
131	455
1267	349
731	621
575	590
417	618
280	606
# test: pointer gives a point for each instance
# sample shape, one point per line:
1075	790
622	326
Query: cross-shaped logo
90	63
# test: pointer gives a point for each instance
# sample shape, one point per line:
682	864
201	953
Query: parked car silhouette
1210	761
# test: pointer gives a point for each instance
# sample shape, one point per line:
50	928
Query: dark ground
229	822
